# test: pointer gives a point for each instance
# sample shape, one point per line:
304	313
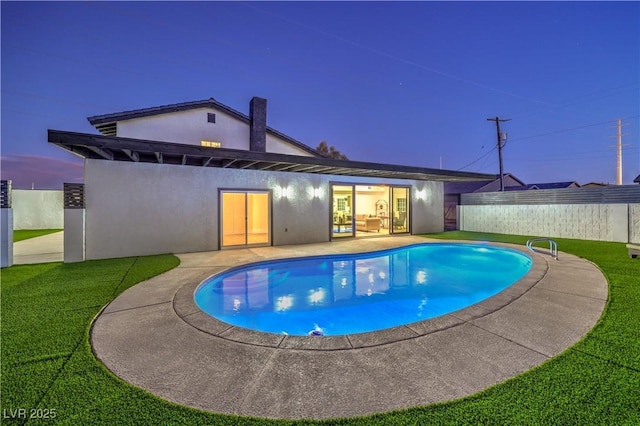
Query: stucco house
201	176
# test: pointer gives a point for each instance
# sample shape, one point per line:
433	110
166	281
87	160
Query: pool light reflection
284	302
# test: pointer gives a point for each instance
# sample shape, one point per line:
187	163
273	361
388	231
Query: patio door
245	218
400	205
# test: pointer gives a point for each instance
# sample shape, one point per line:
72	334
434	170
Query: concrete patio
155	337
44	249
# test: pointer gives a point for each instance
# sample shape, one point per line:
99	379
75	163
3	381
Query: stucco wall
37	209
188	127
600	222
279	146
140	209
191	127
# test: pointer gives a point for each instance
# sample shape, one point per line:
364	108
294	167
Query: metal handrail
553	246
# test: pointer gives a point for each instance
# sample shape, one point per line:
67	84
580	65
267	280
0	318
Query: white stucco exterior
37	209
192	126
188	127
143	208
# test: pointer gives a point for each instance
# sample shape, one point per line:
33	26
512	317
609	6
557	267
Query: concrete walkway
44	249
154	337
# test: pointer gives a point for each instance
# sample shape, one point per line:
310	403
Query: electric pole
502	139
619	146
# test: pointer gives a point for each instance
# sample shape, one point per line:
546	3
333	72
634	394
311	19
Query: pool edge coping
186	309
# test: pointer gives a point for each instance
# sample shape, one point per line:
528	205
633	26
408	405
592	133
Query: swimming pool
357	293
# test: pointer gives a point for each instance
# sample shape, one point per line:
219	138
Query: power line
477	159
570	129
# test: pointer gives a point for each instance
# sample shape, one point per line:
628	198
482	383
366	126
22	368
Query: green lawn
47	362
25	234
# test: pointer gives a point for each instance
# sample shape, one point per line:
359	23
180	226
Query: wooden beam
287	167
246	166
270	166
184	159
206	161
104	153
227	163
132	154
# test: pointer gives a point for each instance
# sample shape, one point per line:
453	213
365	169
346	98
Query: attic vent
108	129
211	118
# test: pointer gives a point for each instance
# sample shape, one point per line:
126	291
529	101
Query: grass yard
25	234
48	366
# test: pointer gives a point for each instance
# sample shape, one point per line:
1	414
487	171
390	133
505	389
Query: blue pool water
356	293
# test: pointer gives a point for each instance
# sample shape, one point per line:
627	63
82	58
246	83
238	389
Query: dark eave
145	151
106	124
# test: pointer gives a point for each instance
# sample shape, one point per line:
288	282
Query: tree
330	151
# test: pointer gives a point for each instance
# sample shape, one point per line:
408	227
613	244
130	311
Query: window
211	144
211	118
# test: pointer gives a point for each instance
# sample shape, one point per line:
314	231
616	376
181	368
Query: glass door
245	218
342	211
399	217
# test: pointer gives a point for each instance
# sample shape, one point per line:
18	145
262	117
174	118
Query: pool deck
154	337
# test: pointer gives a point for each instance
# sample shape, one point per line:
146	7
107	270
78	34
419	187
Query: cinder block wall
37	209
600	222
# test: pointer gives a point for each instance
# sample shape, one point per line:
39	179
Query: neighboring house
200	176
453	191
594	185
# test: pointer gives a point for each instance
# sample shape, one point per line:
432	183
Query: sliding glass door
342	211
245	218
366	210
399	210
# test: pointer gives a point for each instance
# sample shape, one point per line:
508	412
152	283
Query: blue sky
409	83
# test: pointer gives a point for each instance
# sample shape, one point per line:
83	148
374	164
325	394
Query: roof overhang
146	151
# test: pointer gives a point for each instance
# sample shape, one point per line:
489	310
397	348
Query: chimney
258	124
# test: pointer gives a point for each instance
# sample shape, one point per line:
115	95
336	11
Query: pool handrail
553	246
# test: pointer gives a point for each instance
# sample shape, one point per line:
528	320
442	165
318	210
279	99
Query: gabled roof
637	179
521	187
469	187
111	148
556	185
106	123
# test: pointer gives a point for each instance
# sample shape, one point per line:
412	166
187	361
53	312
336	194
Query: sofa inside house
367	223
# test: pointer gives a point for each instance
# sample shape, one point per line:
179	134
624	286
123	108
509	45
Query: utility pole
502	139
619	153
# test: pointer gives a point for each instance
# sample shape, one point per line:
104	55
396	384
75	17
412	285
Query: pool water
358	293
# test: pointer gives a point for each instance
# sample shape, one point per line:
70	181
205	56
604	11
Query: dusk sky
409	83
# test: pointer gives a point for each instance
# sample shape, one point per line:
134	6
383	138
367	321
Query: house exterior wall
279	146
188	127
141	208
37	209
191	127
600	222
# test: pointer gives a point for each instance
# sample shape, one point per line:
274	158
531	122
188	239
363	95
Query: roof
106	123
465	187
637	179
114	148
555	185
